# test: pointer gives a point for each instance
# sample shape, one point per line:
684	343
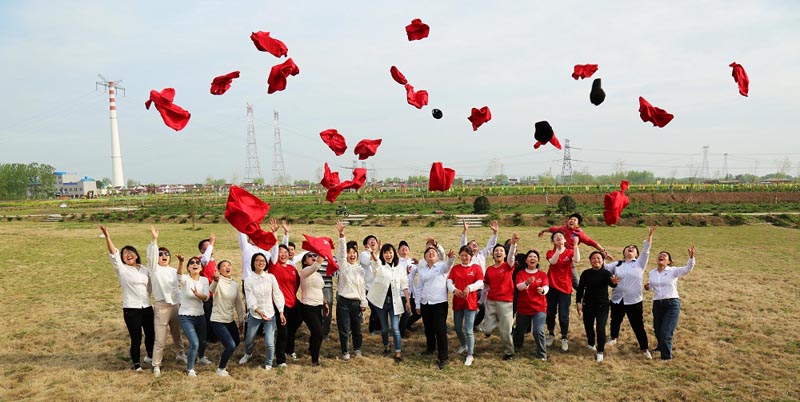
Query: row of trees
20	181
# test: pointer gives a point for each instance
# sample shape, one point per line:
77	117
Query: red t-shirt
288	280
462	277
560	273
499	280
529	301
208	272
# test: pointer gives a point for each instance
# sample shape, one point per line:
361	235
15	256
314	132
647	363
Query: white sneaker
148	360
358	353
564	345
346	356
461	350
244	359
181	357
612	342
468	361
282	365
599	357
138	370
267	368
191	373
592	348
647	355
293	356
549	340
204	360
156	372
222	373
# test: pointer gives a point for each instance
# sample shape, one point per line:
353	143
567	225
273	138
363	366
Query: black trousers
211	337
348	320
312	316
284	341
414	317
481	312
374	322
434	318
595	316
635	318
138	319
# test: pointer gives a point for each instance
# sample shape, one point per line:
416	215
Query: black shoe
386	350
441	364
315	364
508	357
398	359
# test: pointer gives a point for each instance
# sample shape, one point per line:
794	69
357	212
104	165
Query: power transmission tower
704	171
117	180
725	166
252	170
278	168
566	165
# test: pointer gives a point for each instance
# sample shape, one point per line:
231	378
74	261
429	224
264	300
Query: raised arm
109	243
576	257
464	239
206	257
492	239
645	255
152	250
511	258
678	272
181	271
285	225
341	255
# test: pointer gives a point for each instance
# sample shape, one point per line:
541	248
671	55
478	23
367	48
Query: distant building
73	186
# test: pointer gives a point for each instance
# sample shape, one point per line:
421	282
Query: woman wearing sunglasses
164	282
136	309
626	298
193	289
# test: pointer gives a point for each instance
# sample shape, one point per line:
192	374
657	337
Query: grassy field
63	336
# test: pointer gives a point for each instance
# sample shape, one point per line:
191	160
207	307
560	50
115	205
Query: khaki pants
499	315
166	315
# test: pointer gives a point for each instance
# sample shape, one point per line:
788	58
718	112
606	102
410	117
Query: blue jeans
558	301
465	319
665	319
386	315
194	327
269	336
524	324
228	335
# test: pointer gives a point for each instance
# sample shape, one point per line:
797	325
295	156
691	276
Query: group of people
509	293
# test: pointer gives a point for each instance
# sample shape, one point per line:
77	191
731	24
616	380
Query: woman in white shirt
193	290
262	296
136	309
666	303
227	302
314	306
351	301
164	284
389	285
431	300
626	298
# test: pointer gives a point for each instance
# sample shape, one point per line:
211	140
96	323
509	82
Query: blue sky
515	57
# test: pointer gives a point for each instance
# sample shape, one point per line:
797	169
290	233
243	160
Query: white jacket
385	279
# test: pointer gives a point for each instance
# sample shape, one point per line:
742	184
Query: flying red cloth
614	203
265	43
366	148
659	117
398	76
322	246
417	30
418	99
544	134
479	116
222	84
334	140
245	212
583	70
174	116
740	76
441	178
329	179
278	74
359	177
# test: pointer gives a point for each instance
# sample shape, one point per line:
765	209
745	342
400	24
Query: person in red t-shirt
498	297
573	230
464	281
562	260
532	285
288	281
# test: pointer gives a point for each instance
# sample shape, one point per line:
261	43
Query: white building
72	186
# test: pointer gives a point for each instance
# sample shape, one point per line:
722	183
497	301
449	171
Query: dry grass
63	336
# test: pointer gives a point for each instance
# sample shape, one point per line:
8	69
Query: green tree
20	181
567	205
481	205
